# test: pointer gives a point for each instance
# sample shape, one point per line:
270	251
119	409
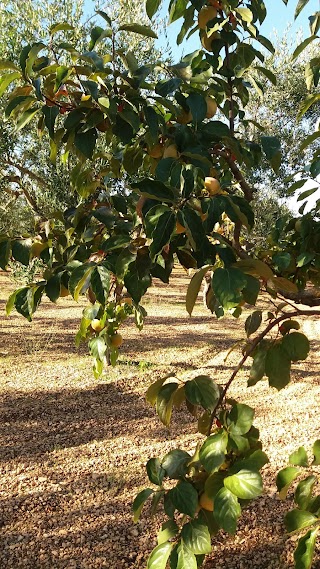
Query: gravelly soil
73	449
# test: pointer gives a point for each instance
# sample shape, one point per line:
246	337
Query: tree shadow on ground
41	422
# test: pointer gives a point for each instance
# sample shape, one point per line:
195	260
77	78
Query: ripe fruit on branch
64	291
207	41
116	340
155	151
185	117
180	228
211	107
206	14
206	503
170	151
96	325
212	185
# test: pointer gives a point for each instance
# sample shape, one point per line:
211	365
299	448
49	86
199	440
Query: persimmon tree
157	153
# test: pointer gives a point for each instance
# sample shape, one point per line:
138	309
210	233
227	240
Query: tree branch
246	188
253	346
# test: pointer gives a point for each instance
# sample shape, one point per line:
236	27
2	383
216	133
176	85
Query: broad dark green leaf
304	552
152	7
21	249
284	479
52	288
272	149
194	287
139	502
277	366
296	345
196	537
299	457
86	142
155	190
138	29
175	463
227	285
240	419
159	556
166	87
251	290
169	529
202	391
253	322
162	233
153	390
212	452
303	493
100	283
257	370
164	402
50	115
186	559
62	27
198	106
80	279
298	519
245	484
155	471
227	510
184	498
98	348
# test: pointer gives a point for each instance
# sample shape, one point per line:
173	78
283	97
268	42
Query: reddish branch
251	349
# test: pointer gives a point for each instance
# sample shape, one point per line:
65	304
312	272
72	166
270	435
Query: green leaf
175	463
98	348
309	140
52	288
159	556
162	233
253	322
240	419
166	87
255	461
155	471
152	7
50	115
154	388
196	537
138	29
301	4
212	452
227	285
307	103
272	149
21	250
277	366
26	117
255	268
62	27
305	258
85	142
194	287
198	106
164	402
296	345
303	493
258	367
169	529
304	552
227	510
202	391
302	46
299	457
284	479
80	279
251	290
139	502
186	559
298	519
316	453
184	498
272	78
5	253
7	64
154	190
100	284
7	79
245	484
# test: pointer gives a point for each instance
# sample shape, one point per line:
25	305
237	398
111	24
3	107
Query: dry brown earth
73	449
